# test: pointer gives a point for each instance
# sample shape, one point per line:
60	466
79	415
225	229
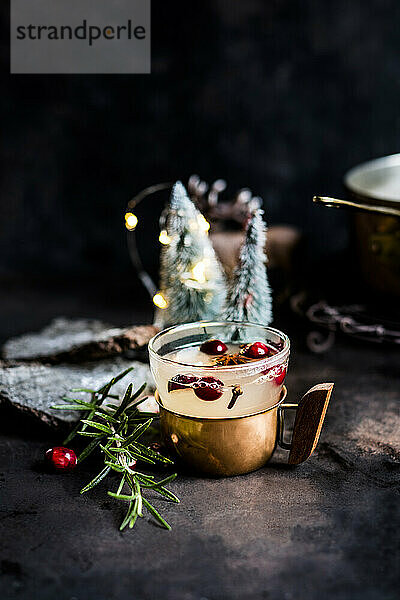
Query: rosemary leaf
89	405
121	484
68	407
130	513
88	450
156	514
138	497
77	426
120	496
167	494
96	480
115	380
137	394
114	466
167	479
144	476
97	425
103	414
137	433
125	401
133	520
107	451
142	457
153	454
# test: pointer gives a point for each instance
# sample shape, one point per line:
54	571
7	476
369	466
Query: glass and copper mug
223	413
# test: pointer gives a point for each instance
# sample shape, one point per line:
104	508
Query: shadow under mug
236	445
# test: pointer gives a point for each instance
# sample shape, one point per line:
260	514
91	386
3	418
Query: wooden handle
310	417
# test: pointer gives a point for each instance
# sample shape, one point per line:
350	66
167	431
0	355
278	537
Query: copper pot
373	190
232	446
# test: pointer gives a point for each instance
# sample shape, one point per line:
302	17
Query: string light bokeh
196	277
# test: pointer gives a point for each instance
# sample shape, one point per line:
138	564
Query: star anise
231	359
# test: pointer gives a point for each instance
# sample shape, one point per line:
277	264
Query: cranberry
62	459
276	374
208	388
280	378
214	347
257	350
180	382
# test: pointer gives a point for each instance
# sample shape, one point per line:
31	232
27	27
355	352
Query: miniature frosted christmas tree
191	279
249	295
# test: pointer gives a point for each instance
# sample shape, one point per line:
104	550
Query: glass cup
194	386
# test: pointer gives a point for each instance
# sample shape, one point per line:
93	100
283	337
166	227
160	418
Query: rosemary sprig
116	429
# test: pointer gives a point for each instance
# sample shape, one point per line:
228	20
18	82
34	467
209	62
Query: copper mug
232	445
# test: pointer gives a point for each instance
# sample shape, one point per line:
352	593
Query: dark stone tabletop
327	529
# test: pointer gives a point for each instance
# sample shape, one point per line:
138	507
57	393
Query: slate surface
326	530
77	340
31	389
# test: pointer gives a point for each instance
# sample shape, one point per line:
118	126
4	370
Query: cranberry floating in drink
276	374
214	347
208	388
280	378
257	350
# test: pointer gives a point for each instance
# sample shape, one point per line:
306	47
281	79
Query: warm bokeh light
204	225
199	272
164	237
193	225
131	221
159	300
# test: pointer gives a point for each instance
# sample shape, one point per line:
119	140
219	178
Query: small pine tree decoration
249	295
191	278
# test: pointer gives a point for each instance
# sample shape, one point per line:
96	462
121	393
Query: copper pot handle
310	415
337	203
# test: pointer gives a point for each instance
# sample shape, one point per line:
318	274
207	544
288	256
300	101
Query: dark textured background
281	96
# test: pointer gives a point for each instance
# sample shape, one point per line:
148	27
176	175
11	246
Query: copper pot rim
282	397
364	195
